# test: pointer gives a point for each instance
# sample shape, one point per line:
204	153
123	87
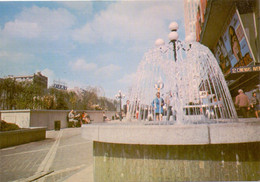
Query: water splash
194	85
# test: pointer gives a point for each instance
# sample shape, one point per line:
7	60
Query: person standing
254	102
242	102
169	107
126	107
127	110
158	103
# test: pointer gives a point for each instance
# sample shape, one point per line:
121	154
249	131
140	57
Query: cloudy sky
86	43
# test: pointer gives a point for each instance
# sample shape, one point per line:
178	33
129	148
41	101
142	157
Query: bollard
57	125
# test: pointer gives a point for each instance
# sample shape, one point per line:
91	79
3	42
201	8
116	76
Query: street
62	154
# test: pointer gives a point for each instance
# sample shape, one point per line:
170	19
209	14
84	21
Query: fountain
197	88
203	139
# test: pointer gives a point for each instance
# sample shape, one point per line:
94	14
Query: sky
84	43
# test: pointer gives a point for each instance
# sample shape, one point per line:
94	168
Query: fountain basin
138	133
202	152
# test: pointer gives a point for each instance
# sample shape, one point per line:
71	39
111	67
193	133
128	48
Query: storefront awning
246	81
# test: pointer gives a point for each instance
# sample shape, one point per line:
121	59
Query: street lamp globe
190	38
159	42
173	26
173	36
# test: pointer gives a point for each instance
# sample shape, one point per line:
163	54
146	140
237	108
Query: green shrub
4	126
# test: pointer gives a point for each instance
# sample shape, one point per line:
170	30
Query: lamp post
120	96
173	36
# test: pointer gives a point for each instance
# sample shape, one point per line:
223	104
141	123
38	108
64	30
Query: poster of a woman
235	46
232	49
236	49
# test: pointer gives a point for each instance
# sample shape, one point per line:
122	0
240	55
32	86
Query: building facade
230	29
36	78
11	92
190	13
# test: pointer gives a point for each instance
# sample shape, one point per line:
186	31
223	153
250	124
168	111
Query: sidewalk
63	156
85	175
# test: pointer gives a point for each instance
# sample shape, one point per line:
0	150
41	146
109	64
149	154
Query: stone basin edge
201	134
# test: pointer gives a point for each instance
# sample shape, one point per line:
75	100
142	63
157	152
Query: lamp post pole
173	36
120	96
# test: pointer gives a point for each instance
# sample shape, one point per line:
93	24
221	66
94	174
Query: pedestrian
169	107
242	102
157	104
126	107
254	103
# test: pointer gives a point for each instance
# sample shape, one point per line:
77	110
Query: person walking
254	103
242	102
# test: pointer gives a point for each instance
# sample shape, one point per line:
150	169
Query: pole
120	112
174	50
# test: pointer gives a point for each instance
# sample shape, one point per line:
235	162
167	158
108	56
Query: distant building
7	98
200	18
36	78
190	13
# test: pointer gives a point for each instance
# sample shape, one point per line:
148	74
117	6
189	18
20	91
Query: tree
73	99
30	95
61	98
8	92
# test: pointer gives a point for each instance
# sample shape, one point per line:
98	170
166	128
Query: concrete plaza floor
63	156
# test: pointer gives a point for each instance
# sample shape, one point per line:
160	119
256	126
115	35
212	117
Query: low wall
19	117
110	114
46	118
17	137
97	116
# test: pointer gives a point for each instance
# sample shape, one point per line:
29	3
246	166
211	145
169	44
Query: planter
17	137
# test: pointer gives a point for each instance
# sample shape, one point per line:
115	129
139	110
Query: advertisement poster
232	49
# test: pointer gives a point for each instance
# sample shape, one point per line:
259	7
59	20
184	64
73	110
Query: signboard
59	86
246	69
232	49
203	93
